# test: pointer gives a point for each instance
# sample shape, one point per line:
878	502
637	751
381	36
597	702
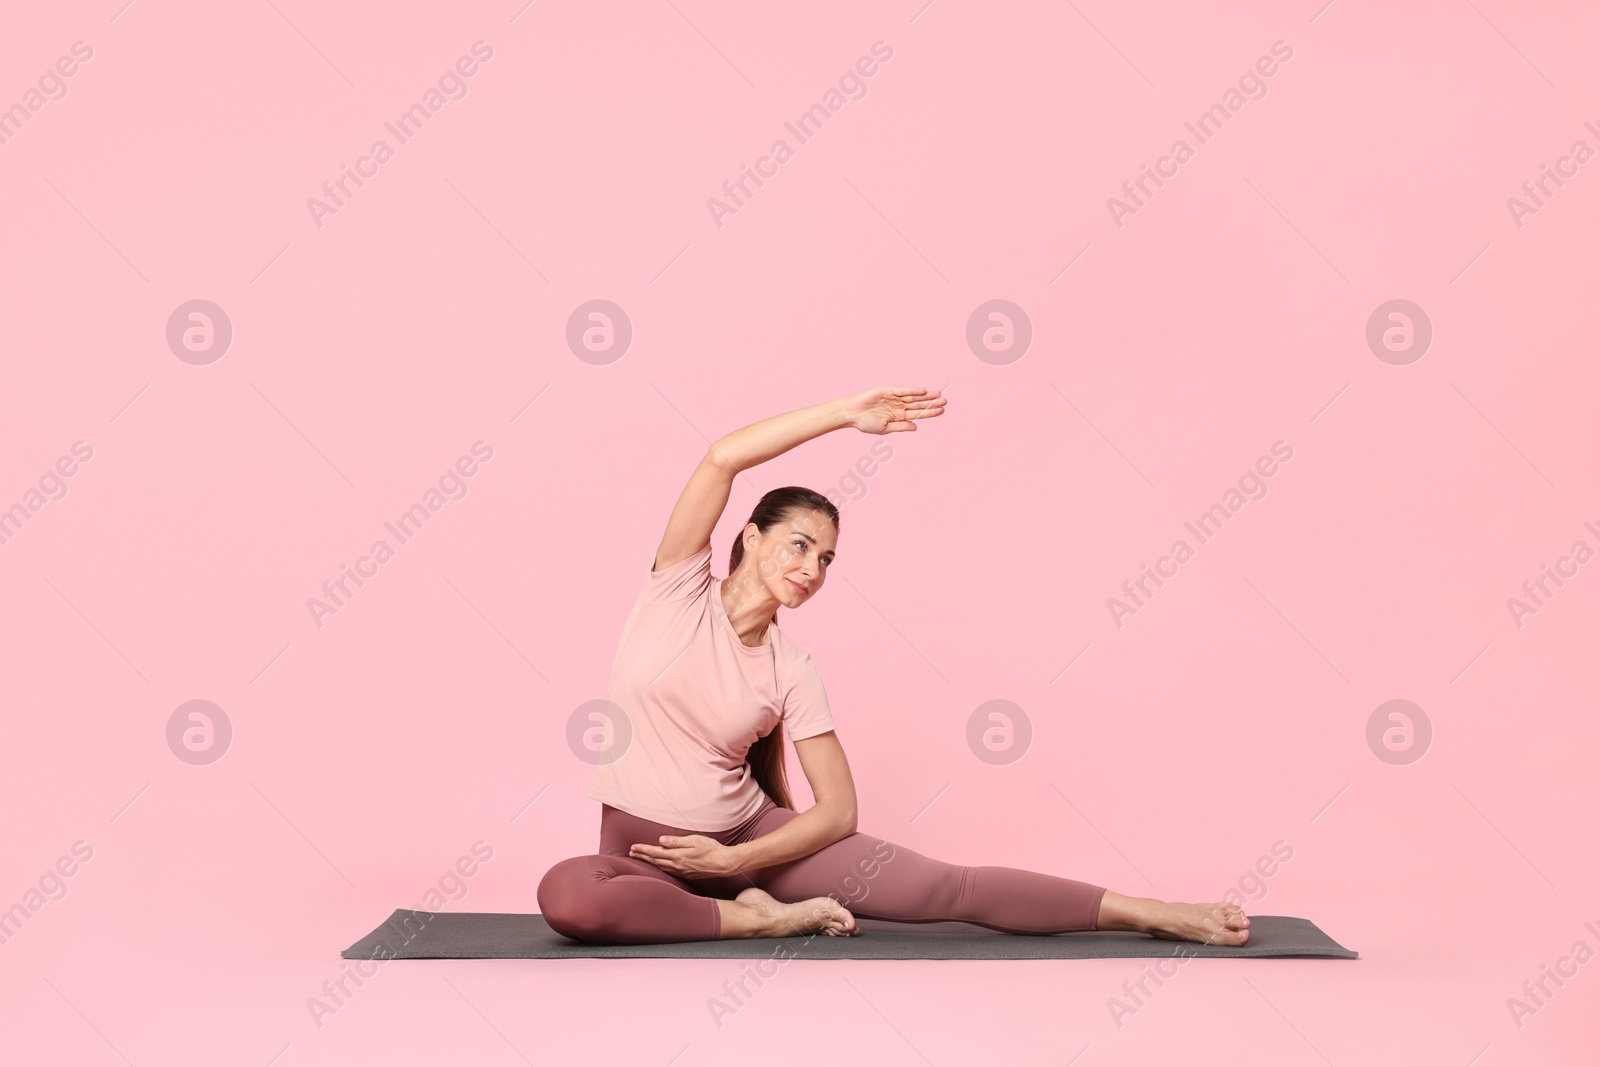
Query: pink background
428	313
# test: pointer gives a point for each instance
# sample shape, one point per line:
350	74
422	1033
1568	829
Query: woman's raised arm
696	513
761	441
875	411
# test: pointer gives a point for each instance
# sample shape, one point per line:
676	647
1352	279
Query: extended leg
877	879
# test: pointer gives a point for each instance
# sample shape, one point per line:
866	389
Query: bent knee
567	897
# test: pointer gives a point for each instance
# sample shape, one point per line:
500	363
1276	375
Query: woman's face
792	558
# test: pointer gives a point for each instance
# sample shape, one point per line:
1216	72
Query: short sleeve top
691	698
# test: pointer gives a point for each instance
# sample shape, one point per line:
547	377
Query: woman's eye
802	545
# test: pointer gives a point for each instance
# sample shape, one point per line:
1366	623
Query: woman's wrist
842	419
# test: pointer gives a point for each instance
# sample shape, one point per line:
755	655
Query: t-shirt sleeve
683	580
805	703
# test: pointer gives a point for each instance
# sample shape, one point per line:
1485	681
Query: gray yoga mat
416	935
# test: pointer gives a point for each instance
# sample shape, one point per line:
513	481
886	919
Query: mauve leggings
612	898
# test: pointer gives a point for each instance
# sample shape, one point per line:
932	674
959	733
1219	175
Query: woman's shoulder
681	579
786	652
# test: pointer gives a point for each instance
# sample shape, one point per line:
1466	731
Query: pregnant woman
698	839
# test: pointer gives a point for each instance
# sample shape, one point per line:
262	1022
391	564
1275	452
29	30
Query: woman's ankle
741	920
1118	912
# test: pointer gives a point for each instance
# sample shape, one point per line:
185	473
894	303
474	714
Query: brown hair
766	755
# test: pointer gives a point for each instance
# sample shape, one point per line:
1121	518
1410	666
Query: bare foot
803	917
1218	923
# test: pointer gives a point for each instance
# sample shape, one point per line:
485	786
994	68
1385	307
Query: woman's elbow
847	822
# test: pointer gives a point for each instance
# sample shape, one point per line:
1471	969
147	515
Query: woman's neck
749	611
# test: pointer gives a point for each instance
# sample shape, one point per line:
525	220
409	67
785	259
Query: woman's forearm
761	441
815	828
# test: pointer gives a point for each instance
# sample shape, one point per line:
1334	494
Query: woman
698	840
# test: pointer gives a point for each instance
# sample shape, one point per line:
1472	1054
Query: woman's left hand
694	856
892	410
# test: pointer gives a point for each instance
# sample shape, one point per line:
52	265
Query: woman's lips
800	587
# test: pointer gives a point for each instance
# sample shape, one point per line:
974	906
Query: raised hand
886	410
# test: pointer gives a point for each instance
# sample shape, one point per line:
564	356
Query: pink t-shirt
697	698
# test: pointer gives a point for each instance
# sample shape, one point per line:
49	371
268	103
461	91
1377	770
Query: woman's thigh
878	879
852	870
619	830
